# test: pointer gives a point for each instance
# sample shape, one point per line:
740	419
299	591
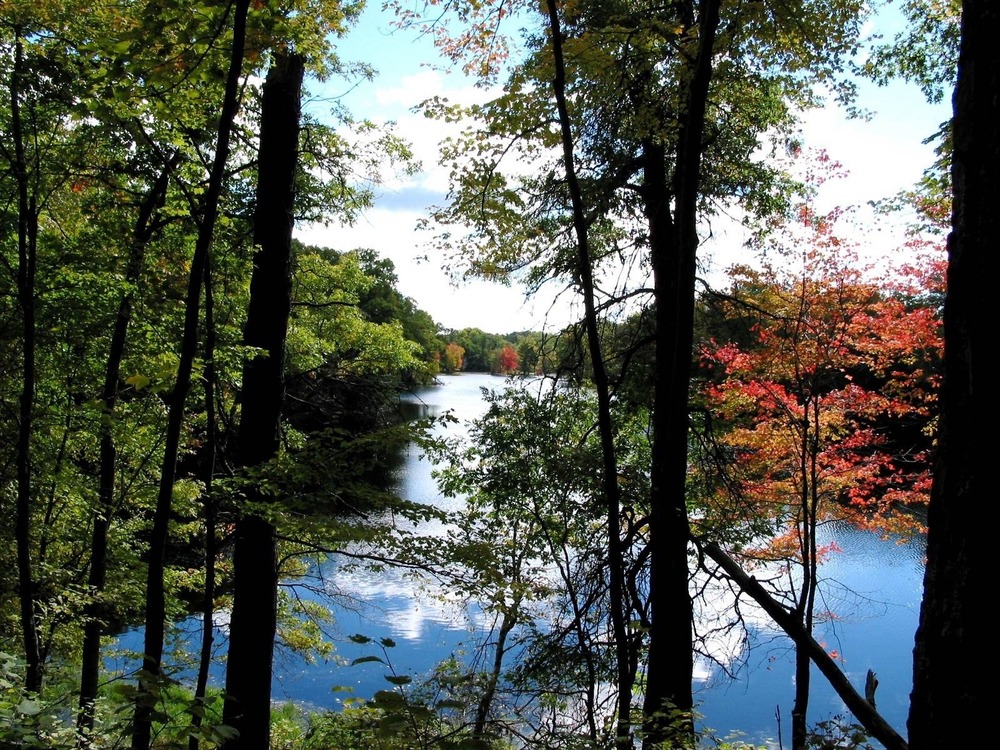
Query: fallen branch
863	710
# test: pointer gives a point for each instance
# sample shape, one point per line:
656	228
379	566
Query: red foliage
829	406
508	361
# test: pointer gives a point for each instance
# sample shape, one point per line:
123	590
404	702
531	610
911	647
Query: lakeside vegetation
194	403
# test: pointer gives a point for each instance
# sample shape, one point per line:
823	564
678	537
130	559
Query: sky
882	156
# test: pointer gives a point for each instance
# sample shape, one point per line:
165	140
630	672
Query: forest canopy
198	405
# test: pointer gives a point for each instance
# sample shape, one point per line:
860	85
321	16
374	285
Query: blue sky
882	155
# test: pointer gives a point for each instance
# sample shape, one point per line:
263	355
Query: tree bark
950	699
209	509
155	614
254	619
674	246
625	675
27	244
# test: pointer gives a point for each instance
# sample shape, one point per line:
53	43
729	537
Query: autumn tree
825	413
453	357
507	360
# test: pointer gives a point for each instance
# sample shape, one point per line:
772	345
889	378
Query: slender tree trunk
208	504
674	250
27	250
155	615
807	524
253	624
507	624
952	694
95	611
616	574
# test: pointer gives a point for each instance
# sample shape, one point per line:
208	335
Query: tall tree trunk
625	675
155	615
27	250
950	696
674	250
253	624
95	611
208	505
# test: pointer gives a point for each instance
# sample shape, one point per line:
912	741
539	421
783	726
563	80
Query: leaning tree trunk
859	705
254	618
674	248
951	695
155	615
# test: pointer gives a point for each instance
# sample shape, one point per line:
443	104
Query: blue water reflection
872	588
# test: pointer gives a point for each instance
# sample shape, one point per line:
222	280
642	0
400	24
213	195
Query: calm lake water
872	587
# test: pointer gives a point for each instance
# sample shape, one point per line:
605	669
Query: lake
872	586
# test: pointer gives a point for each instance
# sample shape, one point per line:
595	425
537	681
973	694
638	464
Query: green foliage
924	51
838	733
405	716
27	720
528	546
111	96
45	722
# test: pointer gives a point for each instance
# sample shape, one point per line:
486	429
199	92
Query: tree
667	106
530	543
255	566
27	263
453	358
96	614
608	490
155	618
825	414
507	360
478	347
954	616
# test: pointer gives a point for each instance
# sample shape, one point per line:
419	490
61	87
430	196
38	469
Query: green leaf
358	638
392	725
398	679
389	700
387	642
138	381
366	659
29	707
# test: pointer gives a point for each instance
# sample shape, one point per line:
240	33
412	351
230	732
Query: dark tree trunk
27	243
625	675
253	623
806	598
209	509
800	707
154	622
95	612
674	246
951	696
